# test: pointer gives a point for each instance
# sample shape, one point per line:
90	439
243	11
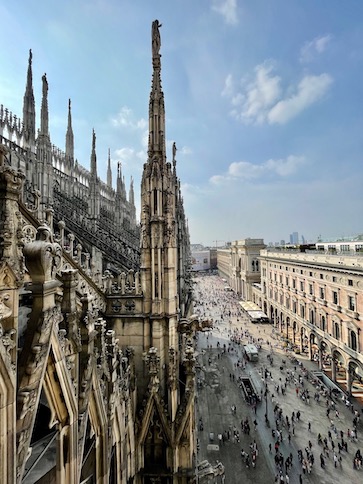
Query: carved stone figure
155	37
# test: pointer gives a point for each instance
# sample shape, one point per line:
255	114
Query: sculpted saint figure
44	85
155	37
174	150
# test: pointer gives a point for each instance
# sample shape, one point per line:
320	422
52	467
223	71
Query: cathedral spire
131	192
44	115
29	104
69	135
93	156
156	146
109	171
119	179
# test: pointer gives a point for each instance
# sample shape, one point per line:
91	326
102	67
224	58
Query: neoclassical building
315	298
239	264
97	356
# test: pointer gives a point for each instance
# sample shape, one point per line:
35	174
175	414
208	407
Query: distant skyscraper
303	241
294	238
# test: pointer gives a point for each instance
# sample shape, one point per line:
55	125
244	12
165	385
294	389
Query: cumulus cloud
125	155
309	91
126	119
244	170
311	49
263	99
228	10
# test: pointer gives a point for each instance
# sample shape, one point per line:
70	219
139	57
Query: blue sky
263	99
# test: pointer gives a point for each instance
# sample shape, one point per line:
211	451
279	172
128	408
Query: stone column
71	245
43	258
11	278
333	369
61	226
320	358
349	378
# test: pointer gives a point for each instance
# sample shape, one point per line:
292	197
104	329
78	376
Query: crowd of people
231	330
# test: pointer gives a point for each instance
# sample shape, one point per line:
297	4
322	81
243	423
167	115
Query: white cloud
125	155
228	86
125	118
316	46
259	95
228	10
244	170
263	99
185	150
309	90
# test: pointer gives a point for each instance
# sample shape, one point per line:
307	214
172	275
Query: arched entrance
354	378
314	347
325	357
304	340
338	368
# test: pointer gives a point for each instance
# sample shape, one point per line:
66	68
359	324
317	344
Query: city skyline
261	101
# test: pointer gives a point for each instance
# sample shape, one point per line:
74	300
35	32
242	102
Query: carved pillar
320	358
350	379
11	276
79	254
42	259
71	245
49	212
61	226
333	369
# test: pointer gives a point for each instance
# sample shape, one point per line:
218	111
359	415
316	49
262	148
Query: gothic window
253	265
257	268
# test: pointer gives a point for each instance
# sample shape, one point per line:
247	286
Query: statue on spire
45	86
174	151
155	37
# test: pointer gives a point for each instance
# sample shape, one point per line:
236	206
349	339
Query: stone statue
45	86
155	37
174	150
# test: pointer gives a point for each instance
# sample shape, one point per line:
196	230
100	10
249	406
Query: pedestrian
309	426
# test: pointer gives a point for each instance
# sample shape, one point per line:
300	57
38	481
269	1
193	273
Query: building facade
315	299
240	265
96	341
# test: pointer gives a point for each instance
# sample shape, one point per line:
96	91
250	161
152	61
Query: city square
221	364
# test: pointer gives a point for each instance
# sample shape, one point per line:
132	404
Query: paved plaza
305	427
